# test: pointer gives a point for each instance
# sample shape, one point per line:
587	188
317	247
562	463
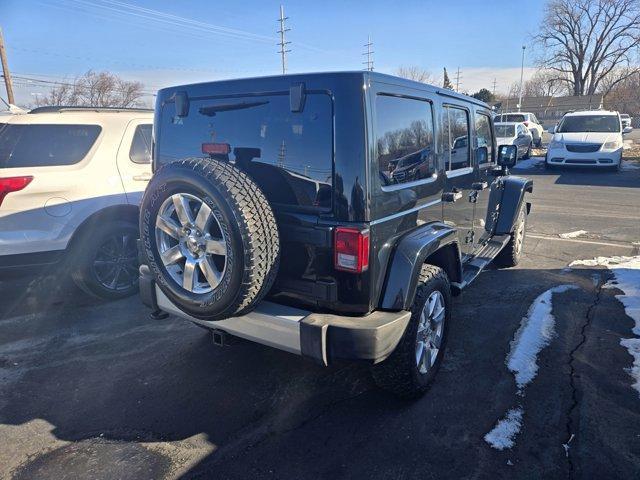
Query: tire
213	265
527	154
512	252
538	142
399	373
104	260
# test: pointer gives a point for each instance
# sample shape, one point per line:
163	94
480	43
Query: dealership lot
100	390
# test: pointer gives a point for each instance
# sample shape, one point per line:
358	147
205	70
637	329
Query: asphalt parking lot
99	390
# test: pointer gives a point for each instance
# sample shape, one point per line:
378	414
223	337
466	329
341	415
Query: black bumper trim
326	337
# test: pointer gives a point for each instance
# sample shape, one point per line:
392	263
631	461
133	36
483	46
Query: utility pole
369	53
521	77
458	80
494	86
283	44
5	70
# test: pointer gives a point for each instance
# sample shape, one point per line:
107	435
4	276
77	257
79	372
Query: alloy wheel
115	264
191	243
430	331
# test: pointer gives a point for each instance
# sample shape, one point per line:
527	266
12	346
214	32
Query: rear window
45	145
589	123
505	130
512	117
289	154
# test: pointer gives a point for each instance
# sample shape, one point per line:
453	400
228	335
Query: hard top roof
335	76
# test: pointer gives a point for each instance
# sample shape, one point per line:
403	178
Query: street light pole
521	78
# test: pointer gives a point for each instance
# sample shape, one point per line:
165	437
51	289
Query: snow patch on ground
536	330
504	433
626	271
532	162
626	165
575	234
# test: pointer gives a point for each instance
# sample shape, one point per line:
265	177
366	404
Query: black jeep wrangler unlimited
331	215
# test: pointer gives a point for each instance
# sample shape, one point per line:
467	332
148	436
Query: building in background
549	110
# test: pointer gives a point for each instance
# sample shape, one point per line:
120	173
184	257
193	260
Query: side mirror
626	130
507	155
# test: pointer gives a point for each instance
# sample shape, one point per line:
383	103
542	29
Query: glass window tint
140	151
504	131
289	154
404	139
484	139
456	133
45	145
512	117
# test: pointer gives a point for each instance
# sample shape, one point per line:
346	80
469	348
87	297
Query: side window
456	134
484	139
404	139
140	151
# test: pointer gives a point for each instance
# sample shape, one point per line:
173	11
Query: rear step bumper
318	336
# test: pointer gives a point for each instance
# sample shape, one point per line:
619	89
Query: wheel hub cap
191	243
430	331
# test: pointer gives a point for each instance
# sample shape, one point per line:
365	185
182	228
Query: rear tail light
526	124
13	184
351	250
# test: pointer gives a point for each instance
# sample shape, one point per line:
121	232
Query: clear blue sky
57	39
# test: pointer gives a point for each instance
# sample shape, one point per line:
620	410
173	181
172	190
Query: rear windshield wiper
211	110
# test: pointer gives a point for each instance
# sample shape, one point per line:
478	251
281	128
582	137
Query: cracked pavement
98	390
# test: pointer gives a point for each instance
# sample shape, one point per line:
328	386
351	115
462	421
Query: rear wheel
105	260
512	252
411	367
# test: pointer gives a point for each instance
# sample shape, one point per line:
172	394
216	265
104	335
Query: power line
369	54
283	43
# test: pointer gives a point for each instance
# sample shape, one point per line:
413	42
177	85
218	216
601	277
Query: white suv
590	138
71	180
530	121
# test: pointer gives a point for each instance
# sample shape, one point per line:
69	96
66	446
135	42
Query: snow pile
536	330
504	433
532	162
575	234
627	275
626	165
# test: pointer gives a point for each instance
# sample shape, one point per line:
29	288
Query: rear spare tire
210	238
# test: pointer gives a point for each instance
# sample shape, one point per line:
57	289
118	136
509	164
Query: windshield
289	154
45	145
511	117
505	130
589	123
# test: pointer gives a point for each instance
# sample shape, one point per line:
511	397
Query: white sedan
515	133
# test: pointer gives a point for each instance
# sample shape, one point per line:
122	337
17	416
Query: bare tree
625	96
415	73
586	40
546	83
102	89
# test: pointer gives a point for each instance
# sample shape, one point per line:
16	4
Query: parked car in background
529	120
590	138
71	180
513	133
626	120
358	264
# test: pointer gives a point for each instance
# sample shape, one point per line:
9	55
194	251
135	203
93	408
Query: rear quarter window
45	145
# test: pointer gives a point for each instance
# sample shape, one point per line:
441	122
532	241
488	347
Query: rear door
134	159
458	206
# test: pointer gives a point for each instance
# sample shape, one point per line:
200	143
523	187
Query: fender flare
513	194
409	255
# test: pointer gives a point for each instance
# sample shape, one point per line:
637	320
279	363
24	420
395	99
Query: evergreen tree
447	83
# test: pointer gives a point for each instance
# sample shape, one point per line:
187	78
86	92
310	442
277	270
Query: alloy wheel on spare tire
210	238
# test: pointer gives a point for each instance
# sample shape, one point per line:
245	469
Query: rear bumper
323	338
